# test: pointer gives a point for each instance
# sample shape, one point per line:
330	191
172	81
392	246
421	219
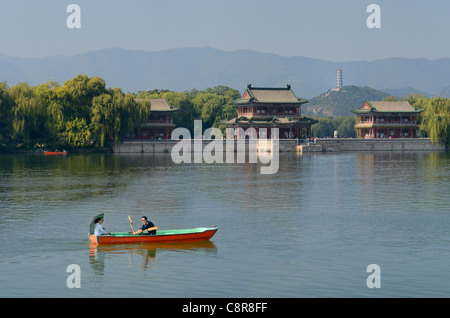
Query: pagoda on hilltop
271	108
339	84
339	79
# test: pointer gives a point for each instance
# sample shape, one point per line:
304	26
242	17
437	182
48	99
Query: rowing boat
161	236
55	153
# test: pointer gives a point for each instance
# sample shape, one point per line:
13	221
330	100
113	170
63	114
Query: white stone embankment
350	144
290	145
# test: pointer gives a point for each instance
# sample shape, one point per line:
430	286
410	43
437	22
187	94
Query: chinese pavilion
271	108
386	119
159	124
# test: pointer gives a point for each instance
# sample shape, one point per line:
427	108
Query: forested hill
339	103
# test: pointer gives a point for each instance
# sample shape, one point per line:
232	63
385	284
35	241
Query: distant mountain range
189	68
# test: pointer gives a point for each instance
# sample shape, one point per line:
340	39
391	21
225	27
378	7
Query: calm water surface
310	230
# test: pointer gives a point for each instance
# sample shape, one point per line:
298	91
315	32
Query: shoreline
290	145
40	151
285	145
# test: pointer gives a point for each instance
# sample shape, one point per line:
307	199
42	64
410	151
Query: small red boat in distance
55	153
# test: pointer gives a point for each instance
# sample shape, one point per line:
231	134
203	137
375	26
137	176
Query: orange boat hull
55	153
158	238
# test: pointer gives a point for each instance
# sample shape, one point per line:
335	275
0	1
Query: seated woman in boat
147	226
99	230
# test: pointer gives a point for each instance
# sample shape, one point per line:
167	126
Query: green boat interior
166	232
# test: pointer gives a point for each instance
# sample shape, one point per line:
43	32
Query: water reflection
329	215
99	255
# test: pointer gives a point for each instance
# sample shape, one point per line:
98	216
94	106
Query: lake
310	230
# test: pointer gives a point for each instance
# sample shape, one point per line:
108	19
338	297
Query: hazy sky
334	30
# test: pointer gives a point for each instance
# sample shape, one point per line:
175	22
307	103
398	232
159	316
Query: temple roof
386	107
269	120
269	95
158	105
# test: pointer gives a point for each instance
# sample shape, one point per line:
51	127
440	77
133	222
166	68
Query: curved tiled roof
387	107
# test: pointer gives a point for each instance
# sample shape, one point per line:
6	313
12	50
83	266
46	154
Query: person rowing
147	226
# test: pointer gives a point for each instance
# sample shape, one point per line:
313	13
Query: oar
131	224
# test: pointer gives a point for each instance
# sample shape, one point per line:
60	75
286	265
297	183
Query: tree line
326	126
80	113
84	113
212	106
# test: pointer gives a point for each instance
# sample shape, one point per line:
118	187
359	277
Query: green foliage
435	119
114	113
5	114
185	115
325	127
77	133
212	105
83	112
80	113
77	95
28	114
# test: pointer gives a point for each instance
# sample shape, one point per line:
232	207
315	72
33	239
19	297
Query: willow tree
46	96
77	133
127	114
28	116
102	117
435	119
114	114
77	94
5	112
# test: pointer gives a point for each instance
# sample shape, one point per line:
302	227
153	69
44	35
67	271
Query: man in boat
147	226
99	230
